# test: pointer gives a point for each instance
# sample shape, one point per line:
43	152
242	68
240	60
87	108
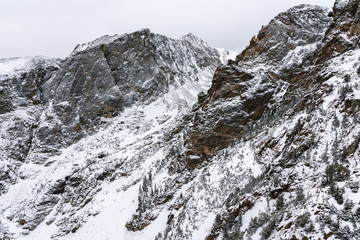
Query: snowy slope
138	131
124	148
12	67
264	147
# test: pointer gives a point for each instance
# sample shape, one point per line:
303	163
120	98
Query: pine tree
343	155
357	213
335	172
300	196
335	148
280	202
335	122
347	78
325	156
267	230
303	219
236	235
217	221
345	121
336	193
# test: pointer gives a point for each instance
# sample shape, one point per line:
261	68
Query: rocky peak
269	152
102	77
343	34
203	54
104	40
243	91
299	26
123	60
194	40
111	80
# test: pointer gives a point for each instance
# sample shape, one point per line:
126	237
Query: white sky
54	27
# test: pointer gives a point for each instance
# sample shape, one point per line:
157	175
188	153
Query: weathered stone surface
105	76
285	32
343	34
267	110
103	79
47	108
22	87
240	95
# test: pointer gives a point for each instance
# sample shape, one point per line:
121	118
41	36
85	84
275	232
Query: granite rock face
47	105
144	137
98	80
245	88
343	34
299	26
102	78
21	80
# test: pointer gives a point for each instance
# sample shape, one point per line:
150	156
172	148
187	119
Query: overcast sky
54	27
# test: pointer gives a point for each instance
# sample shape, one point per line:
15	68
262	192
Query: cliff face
110	74
48	105
245	89
299	135
144	137
20	80
101	78
343	34
279	104
298	27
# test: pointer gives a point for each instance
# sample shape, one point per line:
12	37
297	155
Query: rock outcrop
101	78
109	143
50	105
243	90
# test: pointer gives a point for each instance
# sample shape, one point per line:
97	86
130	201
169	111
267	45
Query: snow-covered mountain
141	136
109	96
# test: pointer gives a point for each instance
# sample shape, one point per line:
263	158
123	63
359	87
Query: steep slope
20	107
242	91
20	79
284	104
271	151
101	78
263	152
125	91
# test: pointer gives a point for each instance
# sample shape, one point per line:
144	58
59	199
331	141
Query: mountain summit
119	90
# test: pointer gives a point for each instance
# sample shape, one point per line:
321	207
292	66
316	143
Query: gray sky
54	27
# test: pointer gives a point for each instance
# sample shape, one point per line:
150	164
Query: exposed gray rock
270	151
46	109
242	91
99	79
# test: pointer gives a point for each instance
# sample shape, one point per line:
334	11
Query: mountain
124	91
141	136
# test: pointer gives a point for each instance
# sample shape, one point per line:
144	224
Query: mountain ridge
270	151
42	131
